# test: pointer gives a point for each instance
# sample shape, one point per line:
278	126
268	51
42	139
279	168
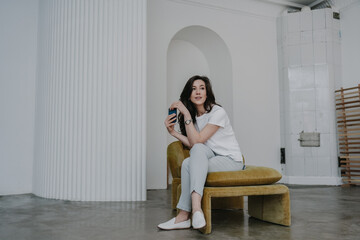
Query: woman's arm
182	138
200	137
194	136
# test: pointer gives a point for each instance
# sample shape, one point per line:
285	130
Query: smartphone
171	112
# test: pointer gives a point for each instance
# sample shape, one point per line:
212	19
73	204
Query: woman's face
198	94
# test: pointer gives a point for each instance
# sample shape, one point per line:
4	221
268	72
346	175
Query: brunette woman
206	130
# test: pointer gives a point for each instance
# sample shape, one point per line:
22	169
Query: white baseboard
309	180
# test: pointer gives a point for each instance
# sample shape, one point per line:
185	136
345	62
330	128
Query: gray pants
195	168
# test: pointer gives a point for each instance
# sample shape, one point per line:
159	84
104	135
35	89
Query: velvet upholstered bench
225	190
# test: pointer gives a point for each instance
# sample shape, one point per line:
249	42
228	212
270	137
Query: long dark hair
185	99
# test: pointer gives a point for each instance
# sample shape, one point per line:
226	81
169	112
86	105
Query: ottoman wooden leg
206	207
174	192
271	208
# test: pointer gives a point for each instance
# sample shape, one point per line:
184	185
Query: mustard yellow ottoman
269	203
266	201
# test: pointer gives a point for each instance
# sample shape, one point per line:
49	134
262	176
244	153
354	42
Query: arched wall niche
198	50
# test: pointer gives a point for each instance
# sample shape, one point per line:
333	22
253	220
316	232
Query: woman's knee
197	147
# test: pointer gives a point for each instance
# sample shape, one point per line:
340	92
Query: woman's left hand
181	107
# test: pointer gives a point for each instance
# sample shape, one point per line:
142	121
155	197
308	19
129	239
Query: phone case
171	112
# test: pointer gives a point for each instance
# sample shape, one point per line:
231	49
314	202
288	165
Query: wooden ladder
348	123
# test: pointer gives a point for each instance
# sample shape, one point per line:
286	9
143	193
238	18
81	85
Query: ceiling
314	4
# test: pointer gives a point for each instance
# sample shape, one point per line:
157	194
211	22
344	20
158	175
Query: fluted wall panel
90	102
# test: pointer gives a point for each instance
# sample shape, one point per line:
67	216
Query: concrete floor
317	213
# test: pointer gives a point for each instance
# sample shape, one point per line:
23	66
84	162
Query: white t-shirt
223	142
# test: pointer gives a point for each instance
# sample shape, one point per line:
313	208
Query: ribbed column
90	106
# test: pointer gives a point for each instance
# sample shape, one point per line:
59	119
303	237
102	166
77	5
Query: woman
206	130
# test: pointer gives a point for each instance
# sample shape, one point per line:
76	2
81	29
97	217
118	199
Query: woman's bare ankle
196	209
182	216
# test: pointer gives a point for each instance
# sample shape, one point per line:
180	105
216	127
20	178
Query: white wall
18	45
251	40
350	43
184	61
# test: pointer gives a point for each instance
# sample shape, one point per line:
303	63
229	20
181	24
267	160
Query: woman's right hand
169	124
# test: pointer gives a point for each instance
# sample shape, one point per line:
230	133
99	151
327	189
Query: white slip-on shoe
198	220
171	225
